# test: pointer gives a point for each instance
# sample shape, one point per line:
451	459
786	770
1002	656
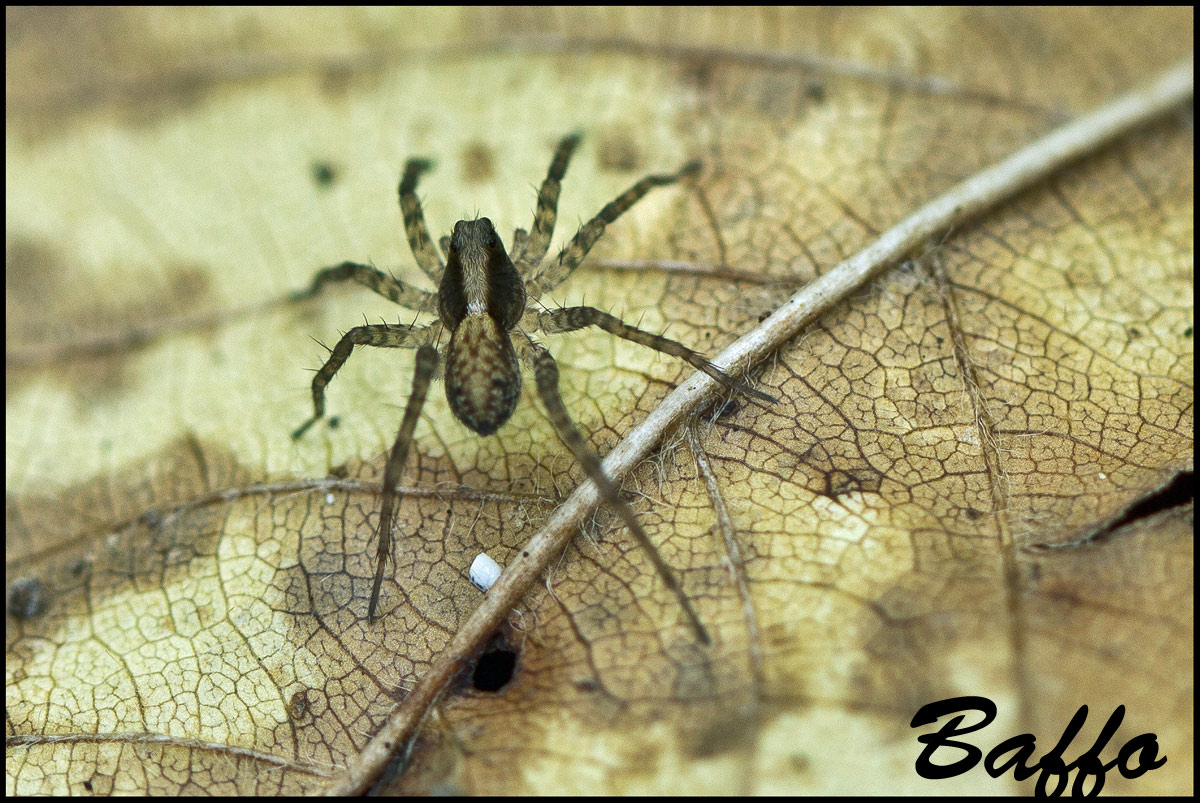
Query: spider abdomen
483	376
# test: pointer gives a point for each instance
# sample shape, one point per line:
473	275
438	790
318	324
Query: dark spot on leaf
478	163
298	706
839	482
27	598
973	514
816	92
334	421
324	174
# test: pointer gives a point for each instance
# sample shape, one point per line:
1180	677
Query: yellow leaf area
977	480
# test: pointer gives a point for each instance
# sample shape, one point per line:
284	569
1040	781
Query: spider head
480	277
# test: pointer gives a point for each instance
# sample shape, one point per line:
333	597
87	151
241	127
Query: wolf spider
487	301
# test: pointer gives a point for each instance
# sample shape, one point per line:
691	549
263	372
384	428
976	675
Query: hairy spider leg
427	360
553	273
380	335
403	293
528	250
545	371
568	319
414	220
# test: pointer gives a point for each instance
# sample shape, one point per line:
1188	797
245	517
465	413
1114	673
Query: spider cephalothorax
485	301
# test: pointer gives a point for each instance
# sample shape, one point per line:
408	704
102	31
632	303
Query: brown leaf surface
977	480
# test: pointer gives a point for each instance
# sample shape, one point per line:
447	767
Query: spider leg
414	220
375	334
404	294
545	370
553	273
535	245
427	359
568	319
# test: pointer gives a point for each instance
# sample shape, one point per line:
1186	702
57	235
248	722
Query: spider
487	302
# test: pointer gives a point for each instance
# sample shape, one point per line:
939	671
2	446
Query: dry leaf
978	480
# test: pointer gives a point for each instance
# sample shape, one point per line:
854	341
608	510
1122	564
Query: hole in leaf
27	598
494	670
